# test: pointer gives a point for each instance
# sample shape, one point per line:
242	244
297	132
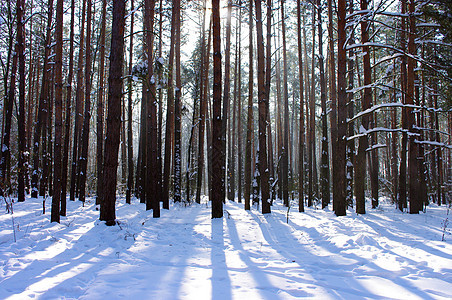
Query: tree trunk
262	103
78	108
129	114
83	161
301	145
100	106
107	208
285	154
177	110
249	130
67	121
217	135
55	214
339	199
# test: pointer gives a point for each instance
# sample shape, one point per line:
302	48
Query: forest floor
187	255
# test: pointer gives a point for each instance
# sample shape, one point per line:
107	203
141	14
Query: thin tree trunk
169	118
239	107
67	121
340	197
285	154
100	106
249	127
262	103
217	140
55	214
83	161
129	114
177	110
226	92
301	145
78	107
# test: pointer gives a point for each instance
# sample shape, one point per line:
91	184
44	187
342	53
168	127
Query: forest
326	103
235	149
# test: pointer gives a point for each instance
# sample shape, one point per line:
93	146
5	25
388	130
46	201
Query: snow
246	255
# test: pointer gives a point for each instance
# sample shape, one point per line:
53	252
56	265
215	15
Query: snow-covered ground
187	255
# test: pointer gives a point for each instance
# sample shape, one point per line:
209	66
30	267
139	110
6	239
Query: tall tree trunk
301	145
325	163
413	150
83	161
239	107
285	156
43	102
249	127
100	106
217	140
262	103
152	172
21	118
78	107
360	168
311	144
67	121
169	117
351	111
402	192
268	73
339	198
177	110
107	208
226	92
205	53
129	114
55	214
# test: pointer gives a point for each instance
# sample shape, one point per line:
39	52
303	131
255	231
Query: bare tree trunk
55	214
285	155
169	118
262	103
177	111
78	108
205	53
107	208
413	150
217	135
67	121
226	92
351	111
301	145
239	107
83	161
325	163
402	193
100	106
43	102
21	117
129	114
339	200
249	127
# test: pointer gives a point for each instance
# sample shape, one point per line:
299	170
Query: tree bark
218	166
107	208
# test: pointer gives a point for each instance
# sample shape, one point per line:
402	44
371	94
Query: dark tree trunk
78	108
324	163
129	115
43	106
177	110
21	118
107	208
55	214
218	166
169	118
340	197
100	106
262	102
249	130
285	152
227	86
83	161
301	145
